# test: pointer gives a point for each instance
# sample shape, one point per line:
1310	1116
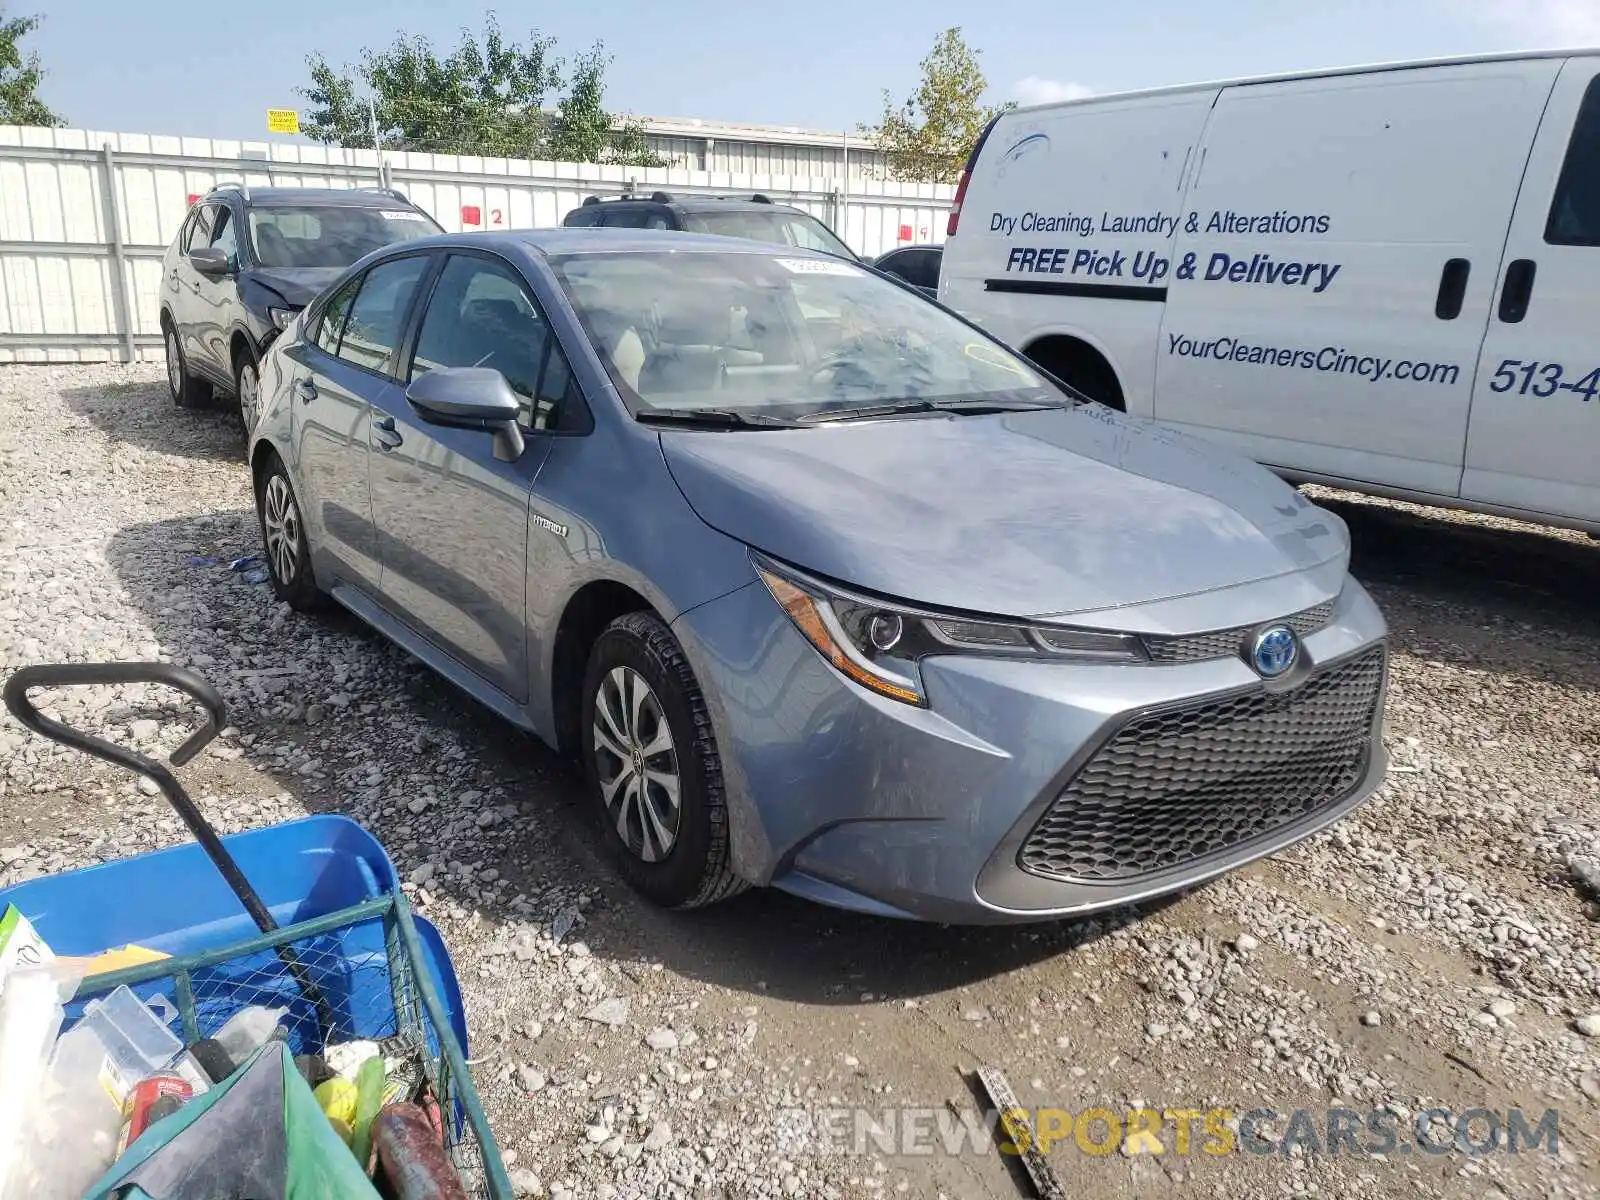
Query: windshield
779	227
330	236
769	335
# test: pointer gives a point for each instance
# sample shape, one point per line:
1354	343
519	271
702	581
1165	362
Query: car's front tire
283	539
187	390
247	387
654	773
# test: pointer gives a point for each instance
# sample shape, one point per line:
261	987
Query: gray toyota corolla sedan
828	590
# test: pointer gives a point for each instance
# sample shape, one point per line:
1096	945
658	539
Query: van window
1575	212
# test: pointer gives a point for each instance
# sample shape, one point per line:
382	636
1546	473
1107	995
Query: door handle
1517	290
384	435
1452	289
306	389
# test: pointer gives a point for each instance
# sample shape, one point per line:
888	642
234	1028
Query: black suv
756	218
246	261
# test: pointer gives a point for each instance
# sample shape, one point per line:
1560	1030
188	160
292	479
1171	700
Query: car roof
698	204
320	197
580	239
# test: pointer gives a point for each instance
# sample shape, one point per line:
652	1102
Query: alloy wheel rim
640	782
249	397
174	363
281	518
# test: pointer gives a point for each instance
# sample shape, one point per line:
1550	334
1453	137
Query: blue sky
174	66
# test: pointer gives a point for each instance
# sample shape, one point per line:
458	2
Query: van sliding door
1335	267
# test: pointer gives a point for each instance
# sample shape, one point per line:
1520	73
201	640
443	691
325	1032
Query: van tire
1081	367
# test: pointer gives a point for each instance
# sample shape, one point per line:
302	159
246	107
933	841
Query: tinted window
586	215
779	226
373	330
225	236
1575	212
304	236
333	315
200	234
186	234
481	316
629	217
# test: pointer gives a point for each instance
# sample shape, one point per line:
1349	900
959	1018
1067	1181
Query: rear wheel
654	772
283	537
187	390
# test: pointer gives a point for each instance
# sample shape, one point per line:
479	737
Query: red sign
194	198
471	214
905	233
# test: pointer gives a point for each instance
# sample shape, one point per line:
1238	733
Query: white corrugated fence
85	217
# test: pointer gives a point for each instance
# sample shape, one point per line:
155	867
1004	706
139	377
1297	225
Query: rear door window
1575	211
331	324
377	317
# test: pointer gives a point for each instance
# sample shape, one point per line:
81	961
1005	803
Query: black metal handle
1517	290
87	674
1452	289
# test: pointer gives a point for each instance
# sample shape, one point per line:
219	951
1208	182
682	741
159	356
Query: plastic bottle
248	1029
369	1099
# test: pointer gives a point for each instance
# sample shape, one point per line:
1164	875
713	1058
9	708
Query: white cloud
1552	22
1034	90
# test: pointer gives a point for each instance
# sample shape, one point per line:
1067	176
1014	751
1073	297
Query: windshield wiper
994	406
716	418
862	412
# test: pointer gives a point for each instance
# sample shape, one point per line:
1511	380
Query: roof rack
231	186
395	193
761	198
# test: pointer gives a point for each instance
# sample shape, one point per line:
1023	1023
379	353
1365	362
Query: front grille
1177	784
1225	643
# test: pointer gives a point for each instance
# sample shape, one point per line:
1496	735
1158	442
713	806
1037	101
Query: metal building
692	144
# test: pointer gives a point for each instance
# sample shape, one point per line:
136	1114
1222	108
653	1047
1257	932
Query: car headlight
282	316
878	644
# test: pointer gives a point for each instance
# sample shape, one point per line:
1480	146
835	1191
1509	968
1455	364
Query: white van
1385	278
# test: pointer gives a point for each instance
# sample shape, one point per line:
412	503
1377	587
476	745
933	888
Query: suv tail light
966	178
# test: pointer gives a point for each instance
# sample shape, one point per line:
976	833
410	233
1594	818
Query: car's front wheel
283	537
247	386
654	773
187	390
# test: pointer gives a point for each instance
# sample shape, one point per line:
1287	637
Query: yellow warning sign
283	120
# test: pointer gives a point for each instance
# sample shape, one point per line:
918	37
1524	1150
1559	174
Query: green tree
489	96
927	138
20	77
583	131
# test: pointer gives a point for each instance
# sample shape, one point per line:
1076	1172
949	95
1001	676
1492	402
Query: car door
1333	272
339	374
216	297
185	302
452	519
1534	438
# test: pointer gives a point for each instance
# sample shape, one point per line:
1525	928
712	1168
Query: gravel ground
1436	949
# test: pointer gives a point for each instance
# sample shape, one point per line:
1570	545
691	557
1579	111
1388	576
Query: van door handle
306	389
1452	289
1517	290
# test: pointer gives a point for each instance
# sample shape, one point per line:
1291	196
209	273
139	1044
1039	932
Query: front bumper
865	803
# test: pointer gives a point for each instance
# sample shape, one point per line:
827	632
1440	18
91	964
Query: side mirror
210	260
470	398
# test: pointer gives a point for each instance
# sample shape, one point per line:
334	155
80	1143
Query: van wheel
654	774
187	390
1081	367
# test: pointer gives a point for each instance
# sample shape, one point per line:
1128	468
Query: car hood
298	286
1037	513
